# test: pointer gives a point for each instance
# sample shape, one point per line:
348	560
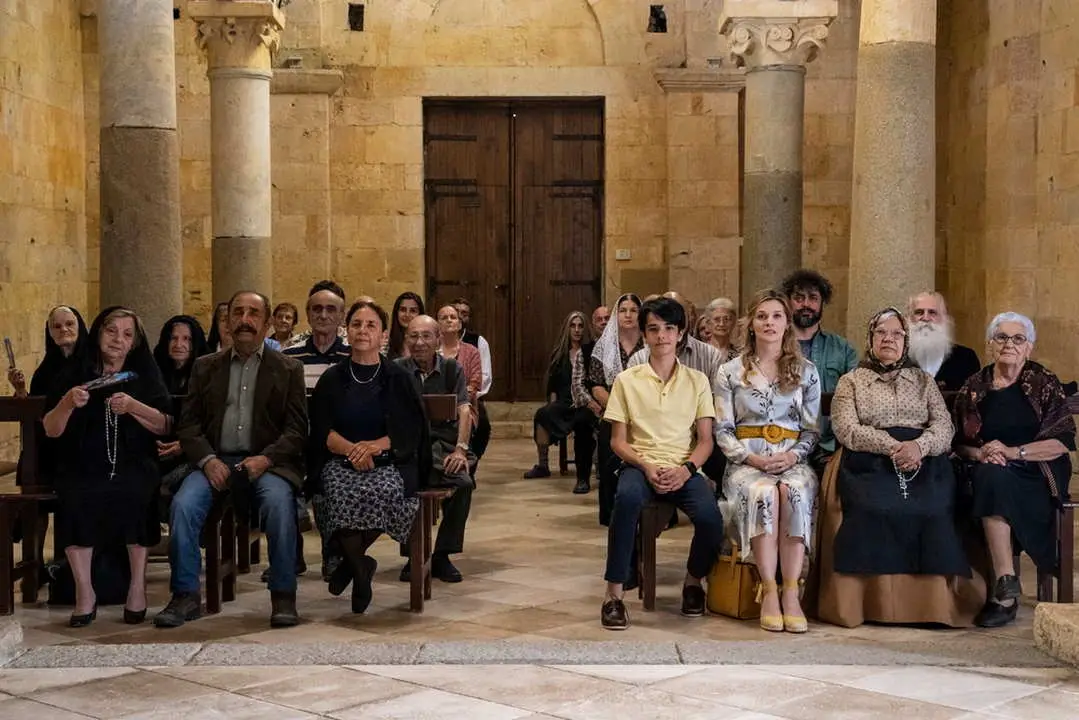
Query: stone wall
42	171
1009	199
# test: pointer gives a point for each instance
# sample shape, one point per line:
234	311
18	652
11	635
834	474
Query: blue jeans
695	499
274	498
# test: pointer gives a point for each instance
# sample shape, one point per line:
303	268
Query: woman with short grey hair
722	317
1014	430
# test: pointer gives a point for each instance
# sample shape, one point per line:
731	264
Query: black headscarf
871	361
54	363
213	342
397	333
176	377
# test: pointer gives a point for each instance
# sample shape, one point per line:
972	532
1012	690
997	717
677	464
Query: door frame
509	104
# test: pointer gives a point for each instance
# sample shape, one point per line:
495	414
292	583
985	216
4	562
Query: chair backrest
440	408
26	411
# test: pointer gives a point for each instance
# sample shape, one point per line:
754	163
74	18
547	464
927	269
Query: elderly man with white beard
932	343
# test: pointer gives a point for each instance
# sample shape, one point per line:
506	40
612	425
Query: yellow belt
771	433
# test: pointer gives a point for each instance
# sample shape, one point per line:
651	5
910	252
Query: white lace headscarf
607	349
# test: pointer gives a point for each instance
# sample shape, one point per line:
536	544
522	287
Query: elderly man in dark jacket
244	426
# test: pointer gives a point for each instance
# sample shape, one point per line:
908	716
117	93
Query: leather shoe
361	584
283	610
340	578
78	621
613	615
406	572
444	570
693	601
538	471
134	617
582	487
181	608
995	615
1007	588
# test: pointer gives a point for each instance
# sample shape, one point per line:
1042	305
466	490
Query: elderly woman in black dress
65	335
1015	429
107	476
181	342
369	447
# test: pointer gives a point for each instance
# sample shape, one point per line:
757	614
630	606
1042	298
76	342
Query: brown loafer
613	616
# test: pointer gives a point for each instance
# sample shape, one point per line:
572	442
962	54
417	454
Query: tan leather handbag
732	587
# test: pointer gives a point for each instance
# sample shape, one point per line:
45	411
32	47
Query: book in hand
108	381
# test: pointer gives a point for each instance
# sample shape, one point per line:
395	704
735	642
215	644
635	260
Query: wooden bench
22	508
219	537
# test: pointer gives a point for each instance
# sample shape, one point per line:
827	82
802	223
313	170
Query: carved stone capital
237	33
761	42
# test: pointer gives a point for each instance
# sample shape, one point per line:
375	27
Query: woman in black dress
369	447
107	478
180	343
407	306
561	416
1015	430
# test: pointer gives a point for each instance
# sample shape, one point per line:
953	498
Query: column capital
764	33
237	33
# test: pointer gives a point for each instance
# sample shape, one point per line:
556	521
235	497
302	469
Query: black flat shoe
995	615
340	578
361	585
134	617
78	621
582	487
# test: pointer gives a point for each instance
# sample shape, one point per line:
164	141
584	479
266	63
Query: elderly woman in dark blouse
180	343
1015	429
369	448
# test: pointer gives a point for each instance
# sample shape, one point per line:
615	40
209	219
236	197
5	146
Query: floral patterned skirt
750	504
371	500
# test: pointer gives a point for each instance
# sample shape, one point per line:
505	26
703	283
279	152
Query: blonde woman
768	414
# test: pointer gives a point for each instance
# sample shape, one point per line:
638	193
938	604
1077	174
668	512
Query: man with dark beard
932	346
809	292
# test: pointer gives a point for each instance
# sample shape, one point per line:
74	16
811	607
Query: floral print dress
748	398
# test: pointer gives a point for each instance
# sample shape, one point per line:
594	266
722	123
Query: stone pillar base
10	638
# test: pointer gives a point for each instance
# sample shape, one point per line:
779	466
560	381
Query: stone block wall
42	172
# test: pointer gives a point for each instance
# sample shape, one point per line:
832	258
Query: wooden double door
514	209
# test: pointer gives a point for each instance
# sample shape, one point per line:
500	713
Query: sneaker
613	615
181	608
693	601
538	471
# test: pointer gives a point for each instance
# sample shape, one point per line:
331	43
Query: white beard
931	343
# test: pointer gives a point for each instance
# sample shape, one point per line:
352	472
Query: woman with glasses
1015	430
722	320
889	548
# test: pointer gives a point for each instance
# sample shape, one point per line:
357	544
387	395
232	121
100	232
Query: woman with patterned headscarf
890	550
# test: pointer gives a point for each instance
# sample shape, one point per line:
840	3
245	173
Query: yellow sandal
771	623
795	623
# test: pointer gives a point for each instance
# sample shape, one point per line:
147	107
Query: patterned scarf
872	362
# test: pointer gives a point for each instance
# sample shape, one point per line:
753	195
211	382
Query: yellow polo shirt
661	418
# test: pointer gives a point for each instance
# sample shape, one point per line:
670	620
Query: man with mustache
809	292
244	426
932	342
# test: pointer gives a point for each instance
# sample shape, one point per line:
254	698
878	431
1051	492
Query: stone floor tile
105	655
232	679
23	709
840	703
428	704
744	687
1044	705
641	702
835	674
328	691
942	686
24	682
534	688
1043	677
632	674
124	695
224	706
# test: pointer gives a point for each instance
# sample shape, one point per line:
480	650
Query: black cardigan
406	423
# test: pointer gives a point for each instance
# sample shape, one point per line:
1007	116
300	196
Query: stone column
141	252
239	38
893	208
773	40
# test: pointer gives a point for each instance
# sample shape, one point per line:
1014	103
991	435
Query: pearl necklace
112	444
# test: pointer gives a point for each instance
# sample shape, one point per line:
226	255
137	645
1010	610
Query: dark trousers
481	436
714	467
695	499
608	473
451	531
584	444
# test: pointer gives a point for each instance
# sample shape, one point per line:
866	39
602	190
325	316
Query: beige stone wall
1009	201
42	172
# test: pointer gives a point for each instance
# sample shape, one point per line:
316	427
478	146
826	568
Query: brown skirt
850	600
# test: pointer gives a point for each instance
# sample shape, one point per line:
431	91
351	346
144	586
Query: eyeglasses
889	334
1016	340
429	337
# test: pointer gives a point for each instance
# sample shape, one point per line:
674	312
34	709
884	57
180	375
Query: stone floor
530	605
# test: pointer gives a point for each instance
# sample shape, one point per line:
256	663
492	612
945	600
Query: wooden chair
564	461
22	508
654	518
219	537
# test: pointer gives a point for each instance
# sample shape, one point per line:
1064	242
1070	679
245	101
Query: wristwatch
1022	453
688	465
462	446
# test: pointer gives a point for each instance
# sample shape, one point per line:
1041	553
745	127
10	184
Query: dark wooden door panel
514	223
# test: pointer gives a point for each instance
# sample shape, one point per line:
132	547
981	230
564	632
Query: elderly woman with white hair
1015	429
722	317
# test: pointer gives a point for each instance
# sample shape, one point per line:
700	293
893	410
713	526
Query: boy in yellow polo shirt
661	416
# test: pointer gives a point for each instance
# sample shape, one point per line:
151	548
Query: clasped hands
218	473
667	479
997	453
362	455
907	456
773	464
